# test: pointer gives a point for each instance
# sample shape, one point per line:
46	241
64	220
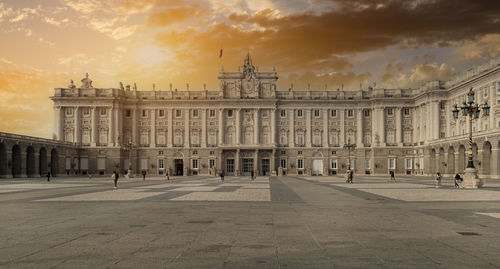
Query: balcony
178	145
300	145
317	145
195	145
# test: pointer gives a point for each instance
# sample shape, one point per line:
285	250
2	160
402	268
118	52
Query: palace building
249	125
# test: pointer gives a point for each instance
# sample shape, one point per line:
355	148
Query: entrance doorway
247	166
179	167
265	167
230	167
317	167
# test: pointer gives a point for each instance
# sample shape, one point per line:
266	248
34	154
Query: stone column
398	126
256	161
153	128
457	125
204	128
436	119
273	126
325	128
342	127
273	165
423	132
94	127
237	163
291	142
111	128
238	126
221	127
57	123
256	126
494	165
170	127
134	126
186	128
118	134
448	120
359	128
308	127
77	125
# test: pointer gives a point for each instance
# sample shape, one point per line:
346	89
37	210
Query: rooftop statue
86	82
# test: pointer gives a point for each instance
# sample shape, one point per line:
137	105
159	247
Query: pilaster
342	127
308	127
170	127
153	128
134	126
325	128
94	137
186	128
238	126
111	127
399	141
359	128
221	127
203	127
273	126
256	117
77	125
291	141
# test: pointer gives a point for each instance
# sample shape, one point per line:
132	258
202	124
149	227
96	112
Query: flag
220	53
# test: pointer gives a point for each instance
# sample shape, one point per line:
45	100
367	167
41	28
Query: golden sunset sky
46	43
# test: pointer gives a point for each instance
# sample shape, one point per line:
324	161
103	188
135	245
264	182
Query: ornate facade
248	125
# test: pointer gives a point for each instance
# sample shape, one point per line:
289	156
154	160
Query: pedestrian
143	175
222	176
115	177
351	175
251	175
347	176
48	176
392	175
438	180
90	176
458	179
168	176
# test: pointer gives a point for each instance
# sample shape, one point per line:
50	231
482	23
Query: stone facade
248	125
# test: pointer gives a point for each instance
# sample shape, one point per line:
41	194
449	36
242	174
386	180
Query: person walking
392	175
48	176
252	175
351	175
90	176
115	177
143	175
222	176
438	180
168	176
458	179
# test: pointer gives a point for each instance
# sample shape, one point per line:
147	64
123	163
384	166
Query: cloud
397	77
174	15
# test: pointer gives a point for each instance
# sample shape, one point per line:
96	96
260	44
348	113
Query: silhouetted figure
222	176
49	175
143	175
252	174
115	177
392	175
458	179
168	176
438	180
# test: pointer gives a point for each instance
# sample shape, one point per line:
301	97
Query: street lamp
472	109
129	146
349	147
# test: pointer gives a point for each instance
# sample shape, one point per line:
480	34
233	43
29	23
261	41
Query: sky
325	43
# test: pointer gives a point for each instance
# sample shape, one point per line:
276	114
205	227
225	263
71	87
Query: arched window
86	137
230	135
195	138
334	137
283	137
103	137
178	138
317	137
68	135
161	138
266	136
212	138
300	138
407	137
248	136
390	137
144	138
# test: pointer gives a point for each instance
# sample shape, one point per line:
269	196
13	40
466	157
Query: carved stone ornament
86	82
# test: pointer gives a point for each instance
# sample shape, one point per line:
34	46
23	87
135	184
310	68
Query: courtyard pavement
272	222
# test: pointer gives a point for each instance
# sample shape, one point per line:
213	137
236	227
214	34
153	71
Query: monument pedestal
471	180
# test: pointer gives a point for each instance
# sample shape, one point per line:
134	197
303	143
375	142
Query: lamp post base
471	180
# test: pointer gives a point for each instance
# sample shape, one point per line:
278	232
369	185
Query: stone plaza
271	222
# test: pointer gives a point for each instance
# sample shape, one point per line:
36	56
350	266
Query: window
351	164
350	113
408	164
368	164
316	113
212	152
283	113
160	152
103	111
389	112
211	113
367	113
299	152
195	152
283	152
390	137
283	163
485	91
161	113
442	135
195	164
334	164
333	113
144	113
300	164
144	138
127	113
299	112
407	137
195	113
334	152
85	111
230	113
178	113
161	164
69	111
392	163
265	113
211	163
406	111
442	105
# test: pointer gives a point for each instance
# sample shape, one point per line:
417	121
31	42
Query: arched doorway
30	161
42	162
441	162
54	162
16	161
432	167
486	159
451	160
3	160
317	164
462	159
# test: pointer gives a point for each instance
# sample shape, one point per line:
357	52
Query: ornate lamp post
349	147
470	108
130	146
